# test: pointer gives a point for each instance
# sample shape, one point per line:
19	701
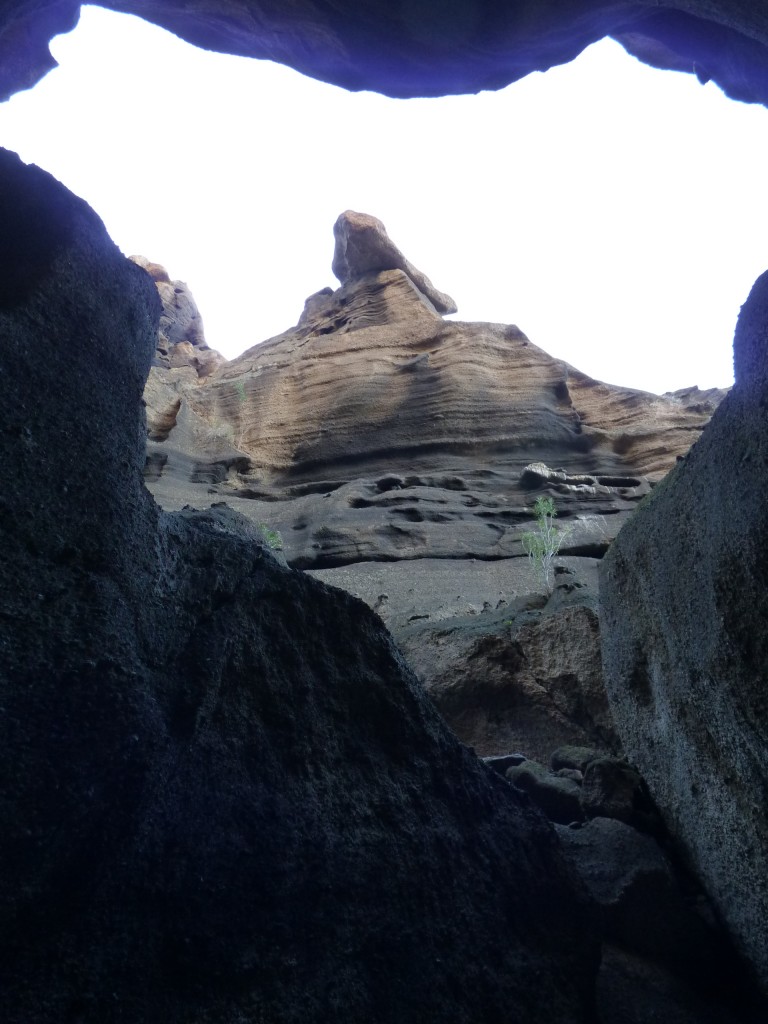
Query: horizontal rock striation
377	430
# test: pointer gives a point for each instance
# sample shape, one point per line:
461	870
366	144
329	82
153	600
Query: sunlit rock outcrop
363	247
377	430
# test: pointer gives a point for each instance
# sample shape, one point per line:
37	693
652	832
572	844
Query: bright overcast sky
615	213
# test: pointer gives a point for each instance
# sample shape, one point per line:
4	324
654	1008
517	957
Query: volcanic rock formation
685	607
399	456
180	336
364	247
72	632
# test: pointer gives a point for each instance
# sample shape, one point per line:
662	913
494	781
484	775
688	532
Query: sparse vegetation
542	544
272	538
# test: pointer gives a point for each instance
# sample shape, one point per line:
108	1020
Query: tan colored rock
181	338
376	430
364	247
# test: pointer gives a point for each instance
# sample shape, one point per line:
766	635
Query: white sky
615	213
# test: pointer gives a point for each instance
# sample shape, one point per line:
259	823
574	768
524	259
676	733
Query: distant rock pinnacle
364	247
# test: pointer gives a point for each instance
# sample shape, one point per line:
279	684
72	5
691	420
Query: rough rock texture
557	797
364	247
180	337
664	958
526	677
224	795
429	48
377	45
684	609
375	430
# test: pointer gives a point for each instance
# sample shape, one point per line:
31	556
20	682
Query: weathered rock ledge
377	431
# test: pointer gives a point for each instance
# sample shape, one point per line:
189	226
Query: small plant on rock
272	538
542	544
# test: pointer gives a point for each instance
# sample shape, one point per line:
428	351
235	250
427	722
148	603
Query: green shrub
542	544
272	538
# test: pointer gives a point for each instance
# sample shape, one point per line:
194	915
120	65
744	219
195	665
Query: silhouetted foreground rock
684	607
429	48
224	796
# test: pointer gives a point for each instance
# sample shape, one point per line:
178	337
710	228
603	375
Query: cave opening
620	228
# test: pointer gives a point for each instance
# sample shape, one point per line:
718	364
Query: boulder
612	788
642	905
558	798
501	762
664	953
684	608
575	758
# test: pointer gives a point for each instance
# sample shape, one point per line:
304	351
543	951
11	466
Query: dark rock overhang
427	47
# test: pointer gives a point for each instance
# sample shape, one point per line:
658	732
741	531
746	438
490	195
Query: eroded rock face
180	336
375	430
684	611
224	795
429	49
364	247
400	455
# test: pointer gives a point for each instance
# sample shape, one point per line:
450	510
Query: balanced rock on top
364	247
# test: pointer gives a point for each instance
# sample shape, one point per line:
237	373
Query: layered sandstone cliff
399	456
376	430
